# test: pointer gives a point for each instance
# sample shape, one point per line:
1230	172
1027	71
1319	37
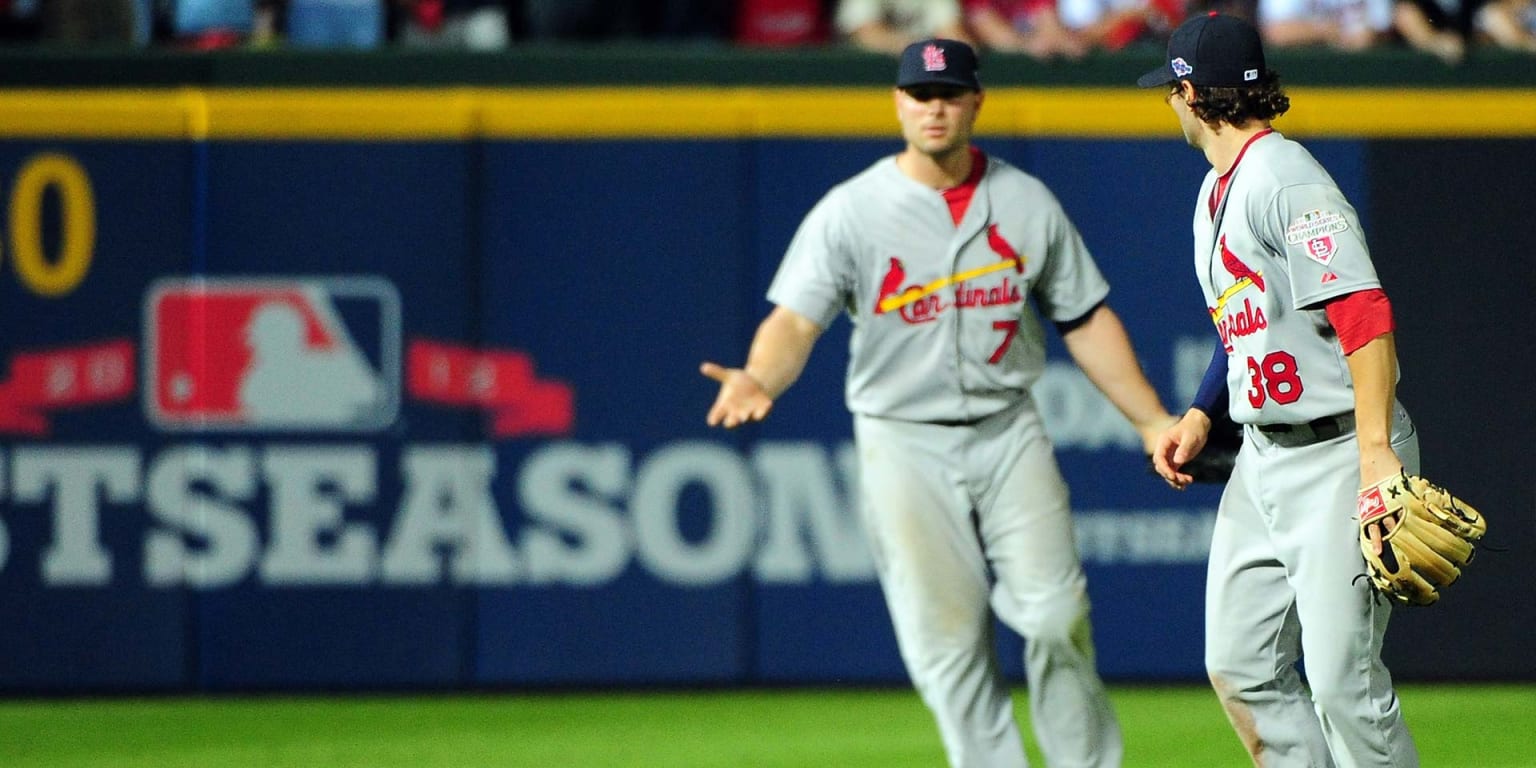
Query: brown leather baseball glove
1415	537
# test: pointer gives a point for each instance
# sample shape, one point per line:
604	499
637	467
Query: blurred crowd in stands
1042	29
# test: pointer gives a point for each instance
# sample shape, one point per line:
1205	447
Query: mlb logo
1321	249
272	354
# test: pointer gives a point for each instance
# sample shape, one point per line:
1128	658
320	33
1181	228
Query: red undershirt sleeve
1360	317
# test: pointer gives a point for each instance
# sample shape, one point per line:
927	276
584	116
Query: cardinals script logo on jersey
1248	319
924	303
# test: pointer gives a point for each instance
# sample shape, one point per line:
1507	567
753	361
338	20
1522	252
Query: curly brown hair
1263	100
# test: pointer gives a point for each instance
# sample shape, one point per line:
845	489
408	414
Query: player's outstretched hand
1152	430
741	398
1178	444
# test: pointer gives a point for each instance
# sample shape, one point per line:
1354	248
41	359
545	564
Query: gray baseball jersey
958	486
1285	548
942	332
1282	240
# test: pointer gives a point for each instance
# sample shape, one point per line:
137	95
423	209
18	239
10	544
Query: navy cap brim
958	82
1161	76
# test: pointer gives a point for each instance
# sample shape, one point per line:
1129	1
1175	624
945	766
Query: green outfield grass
1483	726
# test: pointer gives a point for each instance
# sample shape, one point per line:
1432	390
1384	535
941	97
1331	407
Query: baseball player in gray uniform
935	254
1307	364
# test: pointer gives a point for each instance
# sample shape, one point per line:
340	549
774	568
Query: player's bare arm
1415	26
1102	349
995	31
880	37
1180	443
1373	369
1295	32
778	354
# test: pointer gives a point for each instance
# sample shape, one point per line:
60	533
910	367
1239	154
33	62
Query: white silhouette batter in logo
290	382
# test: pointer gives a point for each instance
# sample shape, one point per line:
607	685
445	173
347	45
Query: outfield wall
495	471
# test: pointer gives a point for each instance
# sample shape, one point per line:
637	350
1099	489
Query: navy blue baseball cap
937	61
1215	50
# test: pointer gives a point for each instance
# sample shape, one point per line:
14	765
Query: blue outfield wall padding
427	414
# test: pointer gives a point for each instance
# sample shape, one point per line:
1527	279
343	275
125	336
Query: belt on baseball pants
1314	431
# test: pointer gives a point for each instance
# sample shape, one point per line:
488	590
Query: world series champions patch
1315	230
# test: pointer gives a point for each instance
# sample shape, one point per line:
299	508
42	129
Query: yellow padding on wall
439	114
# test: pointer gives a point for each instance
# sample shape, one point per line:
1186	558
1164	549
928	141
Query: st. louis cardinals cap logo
272	353
938	61
933	58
